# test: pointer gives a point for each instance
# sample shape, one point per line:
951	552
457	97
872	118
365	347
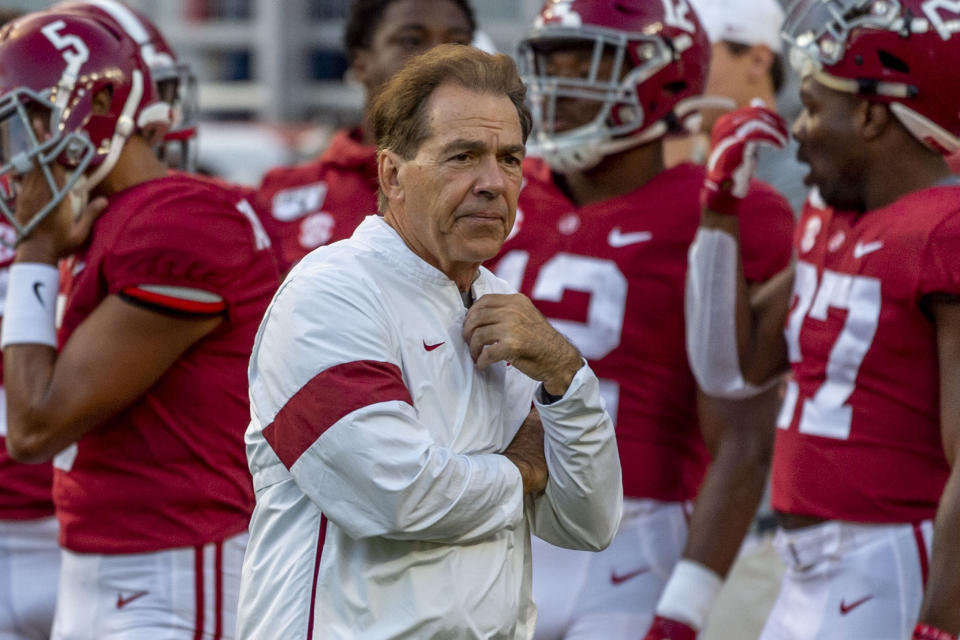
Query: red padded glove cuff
719	199
667	629
926	632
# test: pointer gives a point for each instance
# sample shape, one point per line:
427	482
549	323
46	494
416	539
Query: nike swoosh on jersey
431	347
122	602
861	249
619	239
620	579
847	608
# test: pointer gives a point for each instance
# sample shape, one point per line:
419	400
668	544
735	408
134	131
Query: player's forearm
725	508
32	433
942	594
739	435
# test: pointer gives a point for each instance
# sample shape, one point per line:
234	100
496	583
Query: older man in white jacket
398	465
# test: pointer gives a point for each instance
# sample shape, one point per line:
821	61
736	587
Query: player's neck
890	181
137	164
616	175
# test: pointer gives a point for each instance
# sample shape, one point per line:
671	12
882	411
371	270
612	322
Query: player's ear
389	165
102	100
876	118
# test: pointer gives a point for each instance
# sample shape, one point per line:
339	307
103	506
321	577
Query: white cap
745	21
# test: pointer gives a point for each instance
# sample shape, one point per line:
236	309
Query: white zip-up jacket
384	509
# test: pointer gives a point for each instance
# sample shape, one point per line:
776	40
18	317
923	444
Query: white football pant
188	593
847	580
29	564
611	594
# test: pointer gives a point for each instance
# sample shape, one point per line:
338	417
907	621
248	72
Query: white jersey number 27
826	414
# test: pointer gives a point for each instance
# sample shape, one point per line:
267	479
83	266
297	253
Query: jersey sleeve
327	382
939	270
766	232
183	255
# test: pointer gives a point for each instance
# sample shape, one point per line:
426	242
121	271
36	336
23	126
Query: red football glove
733	154
667	629
926	632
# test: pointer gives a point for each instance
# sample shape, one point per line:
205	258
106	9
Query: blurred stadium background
273	80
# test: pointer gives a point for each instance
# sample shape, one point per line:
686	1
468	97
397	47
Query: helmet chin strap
80	193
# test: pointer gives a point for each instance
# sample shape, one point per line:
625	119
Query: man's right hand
508	327
667	629
526	452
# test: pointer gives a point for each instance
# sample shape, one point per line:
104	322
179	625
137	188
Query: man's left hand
508	327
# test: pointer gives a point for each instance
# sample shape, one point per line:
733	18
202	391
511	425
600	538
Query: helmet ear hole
625	114
101	101
153	134
892	62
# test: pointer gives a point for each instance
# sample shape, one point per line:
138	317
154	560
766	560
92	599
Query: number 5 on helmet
52	67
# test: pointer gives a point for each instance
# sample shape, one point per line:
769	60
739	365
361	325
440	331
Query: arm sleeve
327	373
764	249
583	500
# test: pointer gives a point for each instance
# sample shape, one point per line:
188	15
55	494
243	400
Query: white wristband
689	594
30	310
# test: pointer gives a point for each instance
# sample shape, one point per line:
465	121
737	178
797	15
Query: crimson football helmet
52	66
175	82
660	57
899	52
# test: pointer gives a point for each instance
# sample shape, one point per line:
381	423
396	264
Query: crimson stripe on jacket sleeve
172	302
328	397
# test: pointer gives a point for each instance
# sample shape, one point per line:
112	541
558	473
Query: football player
865	479
322	201
144	403
29	553
600	246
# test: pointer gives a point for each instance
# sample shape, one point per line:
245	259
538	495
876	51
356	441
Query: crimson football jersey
24	488
170	469
610	276
320	202
859	433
